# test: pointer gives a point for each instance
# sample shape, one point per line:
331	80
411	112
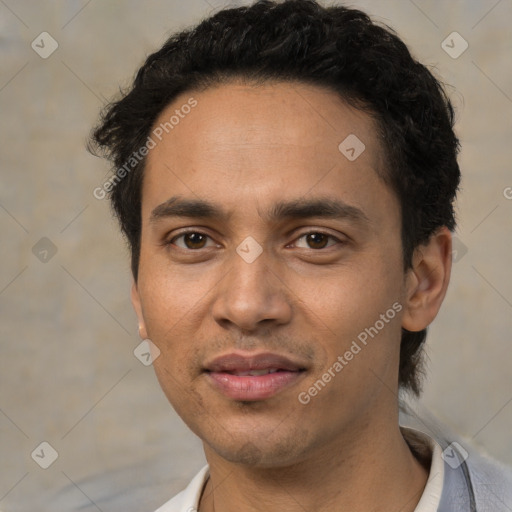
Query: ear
137	306
427	280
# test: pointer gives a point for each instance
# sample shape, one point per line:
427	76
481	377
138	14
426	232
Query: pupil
194	238
317	239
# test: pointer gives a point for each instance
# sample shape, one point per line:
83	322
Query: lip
226	374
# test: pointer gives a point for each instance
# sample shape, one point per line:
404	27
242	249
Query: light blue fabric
491	482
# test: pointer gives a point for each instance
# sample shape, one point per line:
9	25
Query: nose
252	296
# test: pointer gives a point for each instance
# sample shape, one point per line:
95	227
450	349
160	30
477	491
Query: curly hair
336	47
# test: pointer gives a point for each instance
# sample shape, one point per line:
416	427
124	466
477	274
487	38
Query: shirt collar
431	497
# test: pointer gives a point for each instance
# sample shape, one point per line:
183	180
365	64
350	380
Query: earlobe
427	281
137	306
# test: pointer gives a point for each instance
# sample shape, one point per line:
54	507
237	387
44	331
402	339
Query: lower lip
253	387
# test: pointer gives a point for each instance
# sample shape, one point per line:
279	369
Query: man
285	176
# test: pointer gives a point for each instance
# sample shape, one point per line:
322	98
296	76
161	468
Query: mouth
245	377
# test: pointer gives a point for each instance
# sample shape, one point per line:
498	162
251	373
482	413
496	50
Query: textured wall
68	375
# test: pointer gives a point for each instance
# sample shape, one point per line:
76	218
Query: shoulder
492	482
471	480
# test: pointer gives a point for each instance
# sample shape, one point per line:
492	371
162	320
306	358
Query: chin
259	451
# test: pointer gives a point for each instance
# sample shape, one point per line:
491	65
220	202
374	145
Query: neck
373	470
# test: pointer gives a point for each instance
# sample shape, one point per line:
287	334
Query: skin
246	147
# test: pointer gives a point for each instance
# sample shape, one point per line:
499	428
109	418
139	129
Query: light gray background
68	375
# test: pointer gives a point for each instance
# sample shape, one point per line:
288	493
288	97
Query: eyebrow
322	207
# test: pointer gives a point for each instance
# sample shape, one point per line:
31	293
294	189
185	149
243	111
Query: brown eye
317	240
194	240
191	240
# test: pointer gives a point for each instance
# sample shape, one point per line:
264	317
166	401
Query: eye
317	240
191	240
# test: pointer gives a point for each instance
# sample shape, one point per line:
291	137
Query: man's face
261	155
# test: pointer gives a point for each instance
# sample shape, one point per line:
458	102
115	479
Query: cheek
178	364
358	310
351	297
167	296
360	350
166	314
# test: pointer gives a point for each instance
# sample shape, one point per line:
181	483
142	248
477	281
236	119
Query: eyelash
316	232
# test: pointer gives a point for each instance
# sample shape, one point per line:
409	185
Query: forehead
270	141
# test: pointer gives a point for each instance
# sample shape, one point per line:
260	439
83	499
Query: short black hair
336	47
